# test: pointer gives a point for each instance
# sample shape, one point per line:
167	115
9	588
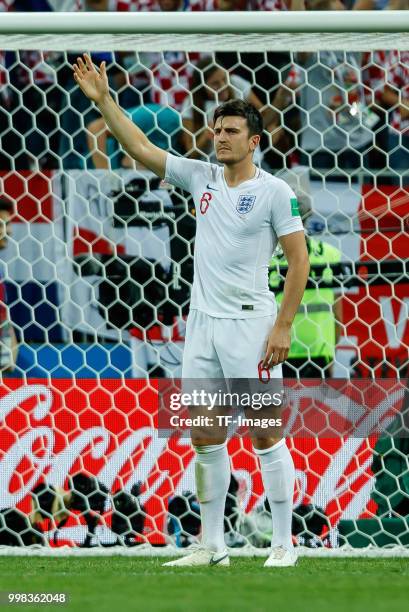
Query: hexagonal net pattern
96	277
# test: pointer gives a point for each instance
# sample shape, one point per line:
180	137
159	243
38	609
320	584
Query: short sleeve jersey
237	231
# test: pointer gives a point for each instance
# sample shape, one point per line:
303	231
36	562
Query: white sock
212	472
277	468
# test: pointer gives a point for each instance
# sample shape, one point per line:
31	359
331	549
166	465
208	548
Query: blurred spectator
396	96
336	127
159	78
9	139
101	5
141	5
77	112
31	6
398	5
374	78
171	71
211	85
171	5
24	133
6	5
65	5
95	5
8	340
254	5
160	123
168	73
37	99
265	70
370	5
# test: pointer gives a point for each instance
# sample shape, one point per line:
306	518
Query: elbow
300	265
302	261
137	150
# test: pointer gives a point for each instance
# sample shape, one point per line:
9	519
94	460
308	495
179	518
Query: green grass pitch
114	584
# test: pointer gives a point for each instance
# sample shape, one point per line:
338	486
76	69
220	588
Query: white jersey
236	233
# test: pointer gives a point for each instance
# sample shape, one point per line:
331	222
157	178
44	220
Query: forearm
95	86
132	139
391	97
281	100
271	118
294	287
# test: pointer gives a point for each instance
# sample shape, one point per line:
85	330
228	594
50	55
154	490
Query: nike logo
212	188
214	561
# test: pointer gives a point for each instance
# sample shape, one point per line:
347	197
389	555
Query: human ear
254	142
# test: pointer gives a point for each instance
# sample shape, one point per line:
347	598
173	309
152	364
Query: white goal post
362	30
70	195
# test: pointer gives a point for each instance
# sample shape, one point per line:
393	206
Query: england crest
245	204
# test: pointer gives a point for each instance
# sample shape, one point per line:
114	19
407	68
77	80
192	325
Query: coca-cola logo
108	428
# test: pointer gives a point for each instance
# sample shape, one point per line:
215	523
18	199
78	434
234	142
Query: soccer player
233	330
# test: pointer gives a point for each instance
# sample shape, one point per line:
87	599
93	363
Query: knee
264	443
201	441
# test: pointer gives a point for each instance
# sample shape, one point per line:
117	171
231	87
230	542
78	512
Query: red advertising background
377	316
108	428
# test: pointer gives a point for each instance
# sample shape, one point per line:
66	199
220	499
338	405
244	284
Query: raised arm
95	86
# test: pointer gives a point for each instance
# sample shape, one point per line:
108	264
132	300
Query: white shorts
226	348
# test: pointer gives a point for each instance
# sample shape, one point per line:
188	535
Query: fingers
274	356
79	69
77	72
82	66
103	69
88	61
268	358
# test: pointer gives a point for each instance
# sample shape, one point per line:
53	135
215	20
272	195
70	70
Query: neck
239	172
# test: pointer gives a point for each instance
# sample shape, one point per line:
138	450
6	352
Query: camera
134	290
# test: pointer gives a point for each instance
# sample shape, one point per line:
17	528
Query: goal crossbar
262	31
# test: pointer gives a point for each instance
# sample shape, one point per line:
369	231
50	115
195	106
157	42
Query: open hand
92	82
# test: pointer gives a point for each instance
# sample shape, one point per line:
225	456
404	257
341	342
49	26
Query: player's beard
228	157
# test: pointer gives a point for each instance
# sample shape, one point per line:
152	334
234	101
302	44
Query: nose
222	136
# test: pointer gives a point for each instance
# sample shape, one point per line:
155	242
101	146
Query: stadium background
70	357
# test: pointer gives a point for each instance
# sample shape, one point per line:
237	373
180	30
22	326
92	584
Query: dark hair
6	205
240	108
204	69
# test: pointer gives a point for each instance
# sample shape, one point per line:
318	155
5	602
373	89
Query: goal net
96	273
